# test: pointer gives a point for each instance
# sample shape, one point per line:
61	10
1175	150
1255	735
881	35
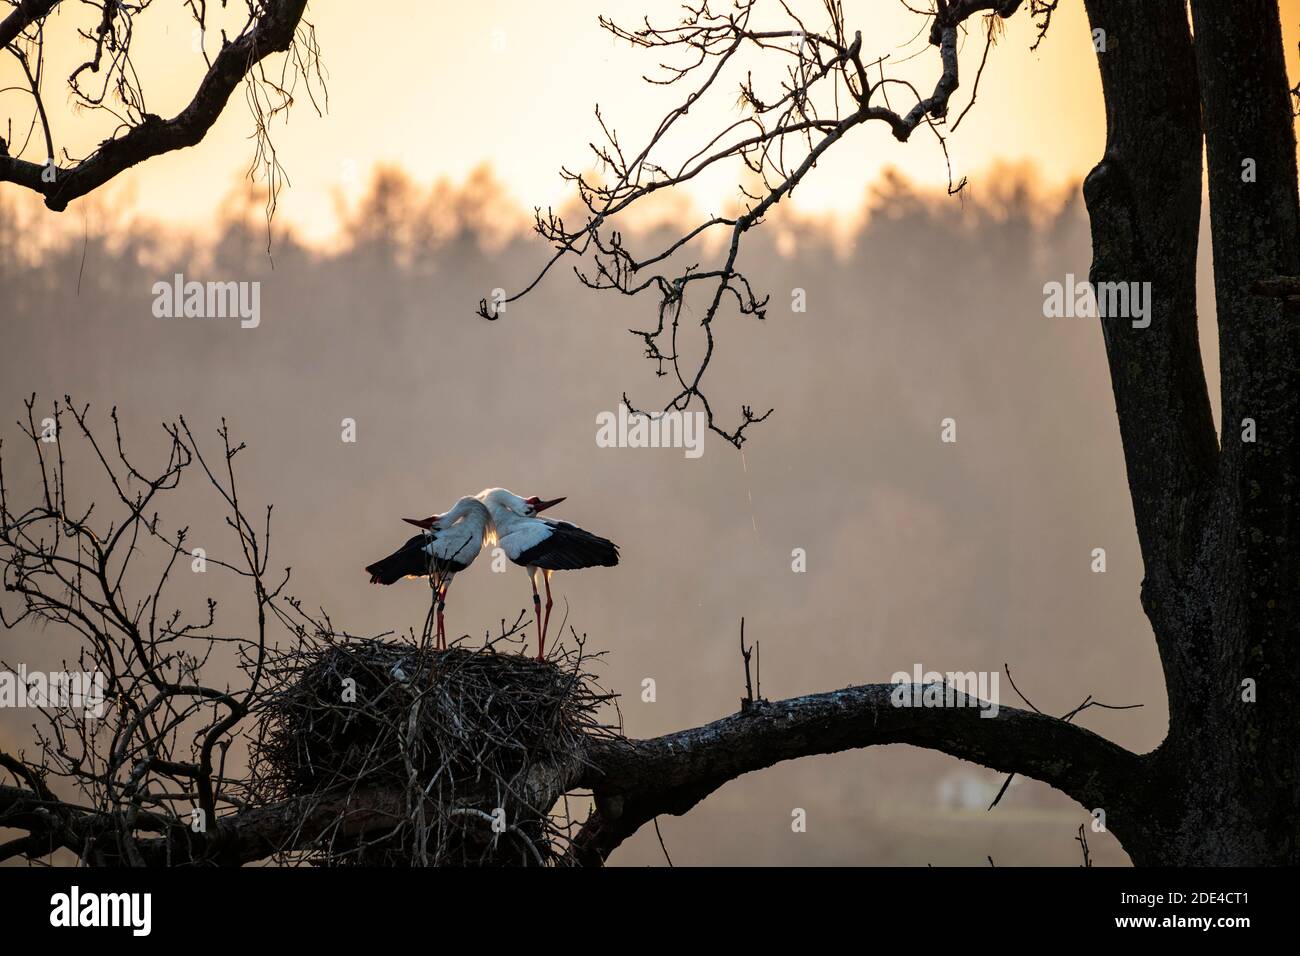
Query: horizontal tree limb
635	781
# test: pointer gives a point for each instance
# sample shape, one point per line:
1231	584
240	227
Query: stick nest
481	745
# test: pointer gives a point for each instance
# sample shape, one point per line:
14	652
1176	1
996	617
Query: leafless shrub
156	756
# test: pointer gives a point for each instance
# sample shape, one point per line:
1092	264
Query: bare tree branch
67	566
25	13
635	781
271	27
828	88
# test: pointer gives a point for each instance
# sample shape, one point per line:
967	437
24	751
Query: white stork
448	545
541	546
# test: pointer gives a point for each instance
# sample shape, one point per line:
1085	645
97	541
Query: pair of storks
449	543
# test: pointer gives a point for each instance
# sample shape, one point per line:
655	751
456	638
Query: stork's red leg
546	621
537	612
442	604
442	631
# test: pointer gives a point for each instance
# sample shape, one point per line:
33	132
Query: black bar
337	905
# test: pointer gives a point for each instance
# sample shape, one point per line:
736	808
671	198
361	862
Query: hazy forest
958	556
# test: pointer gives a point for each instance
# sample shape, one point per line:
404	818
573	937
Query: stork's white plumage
447	545
541	545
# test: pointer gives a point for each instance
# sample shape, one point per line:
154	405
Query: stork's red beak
425	523
543	505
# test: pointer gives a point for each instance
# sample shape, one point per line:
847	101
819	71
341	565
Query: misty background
959	556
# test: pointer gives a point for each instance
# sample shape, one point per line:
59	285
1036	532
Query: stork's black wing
411	560
568	548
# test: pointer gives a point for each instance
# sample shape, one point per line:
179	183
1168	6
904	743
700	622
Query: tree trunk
1217	529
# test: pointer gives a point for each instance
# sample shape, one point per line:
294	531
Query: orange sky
512	83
